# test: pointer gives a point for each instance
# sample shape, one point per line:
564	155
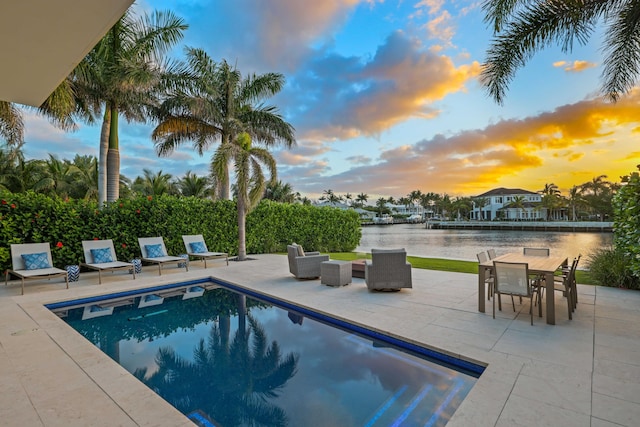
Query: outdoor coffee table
357	268
335	273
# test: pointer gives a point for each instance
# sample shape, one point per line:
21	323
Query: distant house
500	205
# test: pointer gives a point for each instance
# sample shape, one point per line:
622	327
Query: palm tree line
128	75
592	198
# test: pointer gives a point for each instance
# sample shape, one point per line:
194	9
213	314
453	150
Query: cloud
401	81
575	66
473	161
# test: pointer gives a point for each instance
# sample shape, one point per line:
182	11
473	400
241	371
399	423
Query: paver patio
580	372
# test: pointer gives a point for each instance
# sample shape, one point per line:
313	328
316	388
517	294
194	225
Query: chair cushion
101	255
198	247
300	251
154	251
36	261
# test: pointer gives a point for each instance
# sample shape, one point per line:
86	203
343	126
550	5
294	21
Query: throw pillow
300	251
101	255
36	261
198	247
154	251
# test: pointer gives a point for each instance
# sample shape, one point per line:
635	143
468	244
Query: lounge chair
155	252
197	248
304	265
388	270
100	255
31	261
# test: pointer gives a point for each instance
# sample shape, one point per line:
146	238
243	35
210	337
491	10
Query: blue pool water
224	358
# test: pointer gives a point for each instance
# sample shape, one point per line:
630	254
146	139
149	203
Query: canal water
465	244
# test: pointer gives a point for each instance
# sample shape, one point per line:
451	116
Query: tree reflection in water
233	382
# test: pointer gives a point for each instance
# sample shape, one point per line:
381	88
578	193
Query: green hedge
31	217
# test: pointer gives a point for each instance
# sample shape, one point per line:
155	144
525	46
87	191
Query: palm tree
518	203
550	198
574	199
250	180
481	202
597	194
11	124
123	73
216	104
58	177
279	191
523	28
361	199
153	184
85	182
331	197
381	204
196	186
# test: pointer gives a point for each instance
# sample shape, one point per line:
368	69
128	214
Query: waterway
465	244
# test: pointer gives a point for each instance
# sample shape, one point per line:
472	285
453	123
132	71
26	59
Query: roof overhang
44	40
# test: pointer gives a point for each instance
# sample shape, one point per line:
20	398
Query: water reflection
464	244
242	374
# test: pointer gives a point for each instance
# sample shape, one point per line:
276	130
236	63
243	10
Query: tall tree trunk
223	184
102	157
242	216
113	159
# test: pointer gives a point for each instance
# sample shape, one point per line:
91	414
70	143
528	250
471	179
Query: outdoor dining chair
536	251
489	280
512	278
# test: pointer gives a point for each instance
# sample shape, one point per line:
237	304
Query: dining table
542	265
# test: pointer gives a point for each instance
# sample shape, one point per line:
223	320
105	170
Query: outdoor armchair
304	265
388	270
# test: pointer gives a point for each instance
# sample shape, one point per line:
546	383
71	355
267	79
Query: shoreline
578	226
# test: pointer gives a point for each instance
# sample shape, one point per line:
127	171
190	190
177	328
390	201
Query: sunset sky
385	99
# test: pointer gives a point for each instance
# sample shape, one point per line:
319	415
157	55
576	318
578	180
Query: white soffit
42	41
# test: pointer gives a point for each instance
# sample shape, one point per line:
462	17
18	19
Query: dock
577	226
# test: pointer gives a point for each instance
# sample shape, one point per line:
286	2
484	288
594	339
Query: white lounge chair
197	248
100	255
31	261
154	251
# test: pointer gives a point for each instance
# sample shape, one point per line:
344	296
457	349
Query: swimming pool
291	366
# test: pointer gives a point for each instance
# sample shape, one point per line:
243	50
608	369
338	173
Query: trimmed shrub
626	225
32	217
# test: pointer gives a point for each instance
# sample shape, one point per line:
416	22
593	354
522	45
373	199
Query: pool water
226	359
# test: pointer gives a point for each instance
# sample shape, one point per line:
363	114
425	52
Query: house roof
44	40
505	192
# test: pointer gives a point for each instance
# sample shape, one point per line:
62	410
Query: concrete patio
580	372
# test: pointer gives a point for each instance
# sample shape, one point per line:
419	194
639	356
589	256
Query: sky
385	99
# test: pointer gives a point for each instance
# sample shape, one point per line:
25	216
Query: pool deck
580	372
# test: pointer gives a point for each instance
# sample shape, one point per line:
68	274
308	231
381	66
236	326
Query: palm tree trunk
102	158
223	184
113	159
242	245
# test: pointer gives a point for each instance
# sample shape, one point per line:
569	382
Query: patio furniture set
388	269
528	275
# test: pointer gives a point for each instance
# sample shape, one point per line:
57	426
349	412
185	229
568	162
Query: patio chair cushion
198	247
300	251
101	255
154	251
36	261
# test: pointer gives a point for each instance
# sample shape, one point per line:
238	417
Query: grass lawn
455	266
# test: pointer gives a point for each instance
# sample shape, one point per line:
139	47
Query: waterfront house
510	204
